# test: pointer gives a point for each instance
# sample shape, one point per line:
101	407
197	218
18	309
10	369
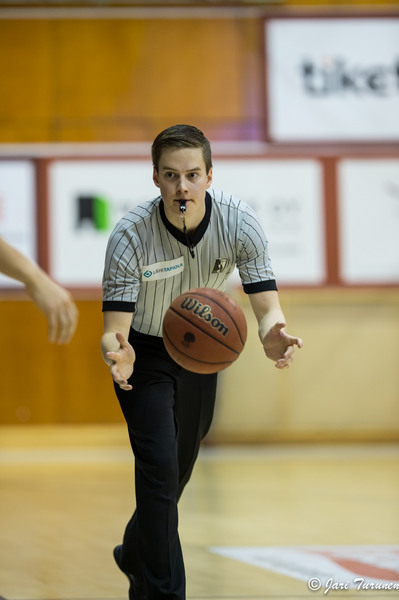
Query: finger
297	342
126	387
282	365
121	338
52	328
64	331
287	359
64	325
123	383
112	355
293	341
289	352
284	362
116	374
70	325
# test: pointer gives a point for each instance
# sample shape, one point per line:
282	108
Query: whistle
182	206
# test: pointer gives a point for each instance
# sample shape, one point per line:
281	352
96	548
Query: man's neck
191	221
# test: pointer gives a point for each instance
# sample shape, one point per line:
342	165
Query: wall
126	79
343	385
112	79
45	383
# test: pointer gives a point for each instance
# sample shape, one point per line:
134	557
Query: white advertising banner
17	210
333	79
86	199
287	196
369	221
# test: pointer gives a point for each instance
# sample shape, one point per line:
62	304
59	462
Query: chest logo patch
220	265
163	270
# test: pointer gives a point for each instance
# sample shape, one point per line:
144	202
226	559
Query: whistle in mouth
182	206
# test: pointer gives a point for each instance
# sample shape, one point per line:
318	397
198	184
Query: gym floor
270	522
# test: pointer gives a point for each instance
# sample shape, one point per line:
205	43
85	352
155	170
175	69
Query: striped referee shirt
148	261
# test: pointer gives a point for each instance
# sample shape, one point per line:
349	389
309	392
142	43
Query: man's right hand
122	361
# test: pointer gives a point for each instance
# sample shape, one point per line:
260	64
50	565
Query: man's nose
182	184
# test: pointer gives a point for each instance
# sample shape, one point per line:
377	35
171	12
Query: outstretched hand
123	359
279	346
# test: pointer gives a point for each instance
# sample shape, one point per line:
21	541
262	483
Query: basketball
204	330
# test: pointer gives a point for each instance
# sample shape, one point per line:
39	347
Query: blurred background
301	104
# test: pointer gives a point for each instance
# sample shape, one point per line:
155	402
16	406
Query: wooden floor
255	523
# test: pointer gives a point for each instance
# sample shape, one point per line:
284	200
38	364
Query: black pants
168	413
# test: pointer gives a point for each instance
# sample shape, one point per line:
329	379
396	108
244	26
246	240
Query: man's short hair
181	136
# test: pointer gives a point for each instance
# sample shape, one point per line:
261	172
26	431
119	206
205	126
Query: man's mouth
181	201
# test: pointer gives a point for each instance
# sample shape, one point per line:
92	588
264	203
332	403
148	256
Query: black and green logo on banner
94	210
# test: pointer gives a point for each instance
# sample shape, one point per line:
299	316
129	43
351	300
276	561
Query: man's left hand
279	346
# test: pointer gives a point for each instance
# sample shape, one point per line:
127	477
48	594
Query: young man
169	410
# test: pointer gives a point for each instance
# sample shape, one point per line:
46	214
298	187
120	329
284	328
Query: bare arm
277	344
116	350
52	299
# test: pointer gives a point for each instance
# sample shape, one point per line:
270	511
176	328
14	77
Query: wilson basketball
204	330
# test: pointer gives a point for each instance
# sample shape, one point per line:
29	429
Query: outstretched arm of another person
115	348
278	345
52	299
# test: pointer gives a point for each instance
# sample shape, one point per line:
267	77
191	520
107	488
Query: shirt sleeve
121	277
253	260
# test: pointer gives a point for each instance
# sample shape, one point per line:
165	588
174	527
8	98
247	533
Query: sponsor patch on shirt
162	270
220	265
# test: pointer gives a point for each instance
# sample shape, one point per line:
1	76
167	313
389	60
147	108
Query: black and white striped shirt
148	261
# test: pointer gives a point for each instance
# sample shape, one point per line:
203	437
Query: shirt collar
195	236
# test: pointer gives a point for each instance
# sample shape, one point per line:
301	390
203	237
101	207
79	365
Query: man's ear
209	177
155	177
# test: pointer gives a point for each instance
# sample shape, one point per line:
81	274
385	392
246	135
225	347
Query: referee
188	237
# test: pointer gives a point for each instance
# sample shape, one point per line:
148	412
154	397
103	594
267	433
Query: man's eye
192	175
169	175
